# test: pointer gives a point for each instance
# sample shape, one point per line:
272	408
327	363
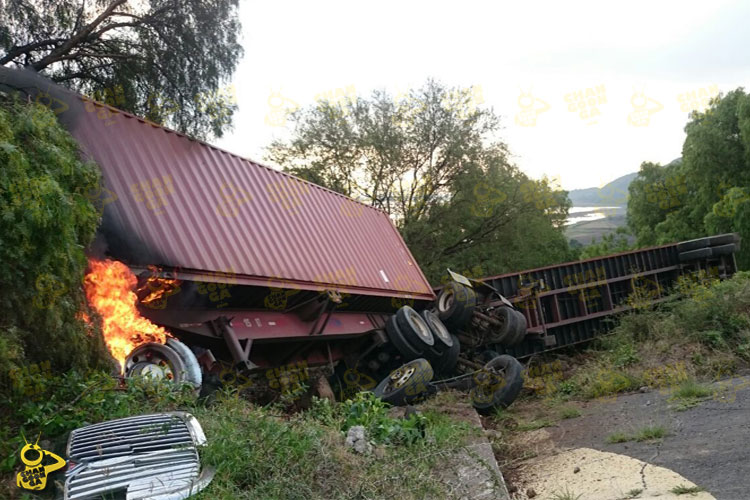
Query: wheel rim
154	361
441	331
399	377
422	330
446	300
160	371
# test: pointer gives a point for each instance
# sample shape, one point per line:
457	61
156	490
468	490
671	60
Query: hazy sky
586	90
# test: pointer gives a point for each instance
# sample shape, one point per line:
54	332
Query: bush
46	221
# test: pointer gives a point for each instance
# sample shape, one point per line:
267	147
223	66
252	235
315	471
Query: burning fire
159	289
109	289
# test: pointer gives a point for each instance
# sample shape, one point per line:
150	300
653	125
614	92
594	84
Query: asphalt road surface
708	444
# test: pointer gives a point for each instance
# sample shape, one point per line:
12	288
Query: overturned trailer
571	303
260	269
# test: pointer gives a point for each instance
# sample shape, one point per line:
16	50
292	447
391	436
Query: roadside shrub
46	221
371	412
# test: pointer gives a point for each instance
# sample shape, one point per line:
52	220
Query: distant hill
613	194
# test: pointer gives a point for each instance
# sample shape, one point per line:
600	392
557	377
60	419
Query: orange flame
109	289
160	289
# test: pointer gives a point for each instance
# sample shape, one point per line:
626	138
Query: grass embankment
258	452
702	335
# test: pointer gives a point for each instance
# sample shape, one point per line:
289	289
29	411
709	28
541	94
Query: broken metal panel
143	457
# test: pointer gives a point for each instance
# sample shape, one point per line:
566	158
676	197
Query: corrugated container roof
180	203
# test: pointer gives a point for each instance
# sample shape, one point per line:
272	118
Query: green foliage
432	161
46	219
685	490
163	59
647	433
371	412
706	192
610	243
257	453
569	412
690	393
71	399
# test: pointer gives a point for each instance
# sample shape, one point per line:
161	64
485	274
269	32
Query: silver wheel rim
422	330
446	301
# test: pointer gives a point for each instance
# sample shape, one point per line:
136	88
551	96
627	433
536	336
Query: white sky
662	49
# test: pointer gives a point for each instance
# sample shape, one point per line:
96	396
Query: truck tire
171	361
724	239
455	305
725	249
414	329
440	333
700	253
396	337
686	246
519	332
406	383
446	363
487	398
501	334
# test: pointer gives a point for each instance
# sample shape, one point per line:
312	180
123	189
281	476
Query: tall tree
165	60
431	159
705	193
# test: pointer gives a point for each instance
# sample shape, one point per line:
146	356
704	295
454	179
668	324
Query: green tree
164	60
610	243
691	198
432	161
47	217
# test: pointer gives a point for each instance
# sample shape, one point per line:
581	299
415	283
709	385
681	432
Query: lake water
585	214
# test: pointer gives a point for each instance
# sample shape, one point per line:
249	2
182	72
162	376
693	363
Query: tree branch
18	51
76	39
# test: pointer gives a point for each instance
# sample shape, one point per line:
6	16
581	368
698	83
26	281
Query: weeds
569	412
633	493
648	433
565	495
686	490
690	393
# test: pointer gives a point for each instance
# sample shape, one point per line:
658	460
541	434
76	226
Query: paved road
708	444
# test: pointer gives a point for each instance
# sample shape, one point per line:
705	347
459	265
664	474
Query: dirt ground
705	446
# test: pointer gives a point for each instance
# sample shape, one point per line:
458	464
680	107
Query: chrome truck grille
142	457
